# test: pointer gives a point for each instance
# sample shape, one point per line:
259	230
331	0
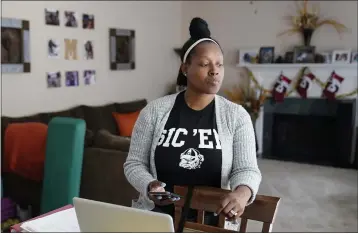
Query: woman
195	137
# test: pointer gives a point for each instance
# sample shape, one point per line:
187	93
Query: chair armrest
103	177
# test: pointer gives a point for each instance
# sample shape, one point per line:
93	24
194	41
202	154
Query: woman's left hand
233	204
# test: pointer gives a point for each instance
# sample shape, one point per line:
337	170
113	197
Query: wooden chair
263	209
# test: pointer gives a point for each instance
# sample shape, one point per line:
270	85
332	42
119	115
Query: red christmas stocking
332	86
304	83
280	88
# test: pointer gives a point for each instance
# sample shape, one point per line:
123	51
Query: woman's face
205	71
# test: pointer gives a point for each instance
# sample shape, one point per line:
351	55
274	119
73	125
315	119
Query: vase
307	35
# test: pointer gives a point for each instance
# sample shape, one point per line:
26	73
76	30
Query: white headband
193	45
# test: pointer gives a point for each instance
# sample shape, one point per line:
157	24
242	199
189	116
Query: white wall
235	25
160	26
158	31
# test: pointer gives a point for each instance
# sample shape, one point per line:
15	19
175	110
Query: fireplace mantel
267	74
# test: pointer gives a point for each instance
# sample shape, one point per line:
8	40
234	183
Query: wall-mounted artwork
89	77
52	17
53	79
15	45
71	19
71	49
72	78
121	49
88	21
53	48
88	50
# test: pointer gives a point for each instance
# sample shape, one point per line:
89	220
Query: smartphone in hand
165	196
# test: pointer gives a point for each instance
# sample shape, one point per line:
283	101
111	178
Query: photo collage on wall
68	49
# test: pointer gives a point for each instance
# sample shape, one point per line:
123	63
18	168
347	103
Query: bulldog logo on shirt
191	159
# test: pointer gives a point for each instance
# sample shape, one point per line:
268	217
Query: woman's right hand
157	186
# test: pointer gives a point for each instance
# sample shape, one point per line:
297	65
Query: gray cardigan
236	133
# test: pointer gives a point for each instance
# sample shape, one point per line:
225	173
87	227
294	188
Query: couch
104	154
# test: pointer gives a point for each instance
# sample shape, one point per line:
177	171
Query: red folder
17	228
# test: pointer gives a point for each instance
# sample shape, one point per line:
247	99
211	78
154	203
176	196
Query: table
17	228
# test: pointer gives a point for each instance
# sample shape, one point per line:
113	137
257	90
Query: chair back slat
205	199
221	221
263	209
267	227
205	228
200	218
177	216
243	225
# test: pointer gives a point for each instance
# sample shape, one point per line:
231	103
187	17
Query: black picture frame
304	54
288	57
267	55
52	17
21	64
121	49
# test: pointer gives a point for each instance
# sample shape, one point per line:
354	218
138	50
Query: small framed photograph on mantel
354	57
267	55
327	57
248	56
304	54
341	56
288	57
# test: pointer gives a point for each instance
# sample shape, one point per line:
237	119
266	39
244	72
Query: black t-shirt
189	150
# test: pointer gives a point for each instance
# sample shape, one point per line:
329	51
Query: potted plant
306	22
250	98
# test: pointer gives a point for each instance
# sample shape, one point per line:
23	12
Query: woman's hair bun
199	29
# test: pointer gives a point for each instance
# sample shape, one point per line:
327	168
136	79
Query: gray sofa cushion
106	140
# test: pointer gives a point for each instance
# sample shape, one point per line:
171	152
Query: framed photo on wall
121	49
15	45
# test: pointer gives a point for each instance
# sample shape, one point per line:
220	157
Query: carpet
313	198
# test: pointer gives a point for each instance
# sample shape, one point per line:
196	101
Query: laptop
94	216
